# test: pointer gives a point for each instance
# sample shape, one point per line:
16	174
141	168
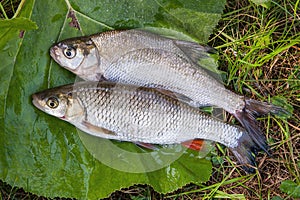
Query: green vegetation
259	50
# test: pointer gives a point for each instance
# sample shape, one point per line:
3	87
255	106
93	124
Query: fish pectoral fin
194	50
97	129
175	95
196	144
101	78
147	145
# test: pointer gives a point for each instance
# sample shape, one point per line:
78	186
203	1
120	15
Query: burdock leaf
49	157
20	23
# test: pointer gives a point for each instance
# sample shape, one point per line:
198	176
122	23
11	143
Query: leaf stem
3	11
87	17
19	8
97	22
68	4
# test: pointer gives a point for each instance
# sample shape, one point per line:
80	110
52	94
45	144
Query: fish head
61	102
51	102
78	55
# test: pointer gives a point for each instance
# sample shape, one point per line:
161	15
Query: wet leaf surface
45	155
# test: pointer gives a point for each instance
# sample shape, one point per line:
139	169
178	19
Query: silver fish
146	59
127	113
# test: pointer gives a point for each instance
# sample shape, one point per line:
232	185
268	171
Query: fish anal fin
97	129
146	145
196	144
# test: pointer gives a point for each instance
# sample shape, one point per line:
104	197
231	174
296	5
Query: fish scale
150	60
145	109
127	113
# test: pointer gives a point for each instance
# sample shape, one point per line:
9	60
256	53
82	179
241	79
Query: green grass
260	52
261	57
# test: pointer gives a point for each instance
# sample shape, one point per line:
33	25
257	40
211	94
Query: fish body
149	60
146	59
143	115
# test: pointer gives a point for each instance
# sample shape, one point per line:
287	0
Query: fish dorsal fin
196	144
202	56
97	129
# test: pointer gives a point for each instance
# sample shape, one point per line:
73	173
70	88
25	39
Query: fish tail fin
247	117
250	124
258	108
245	152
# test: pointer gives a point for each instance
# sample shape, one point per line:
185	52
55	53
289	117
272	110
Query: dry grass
9	6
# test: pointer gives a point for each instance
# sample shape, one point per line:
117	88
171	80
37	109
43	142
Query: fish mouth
36	102
53	53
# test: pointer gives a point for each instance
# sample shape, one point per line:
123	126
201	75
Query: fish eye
52	102
70	52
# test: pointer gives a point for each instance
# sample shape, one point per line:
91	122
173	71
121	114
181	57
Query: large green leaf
47	156
18	23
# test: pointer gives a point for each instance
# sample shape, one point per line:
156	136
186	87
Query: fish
149	60
144	115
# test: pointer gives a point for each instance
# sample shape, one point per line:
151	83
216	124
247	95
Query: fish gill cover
45	155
